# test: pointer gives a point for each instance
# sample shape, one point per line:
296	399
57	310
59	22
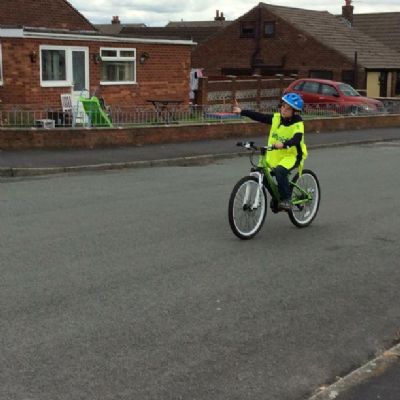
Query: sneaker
285	205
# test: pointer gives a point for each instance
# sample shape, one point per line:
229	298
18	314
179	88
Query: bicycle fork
247	194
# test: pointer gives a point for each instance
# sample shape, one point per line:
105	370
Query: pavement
379	378
41	162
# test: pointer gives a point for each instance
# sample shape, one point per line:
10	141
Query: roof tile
57	14
384	27
338	35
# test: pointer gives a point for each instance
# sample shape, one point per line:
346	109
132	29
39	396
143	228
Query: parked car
335	96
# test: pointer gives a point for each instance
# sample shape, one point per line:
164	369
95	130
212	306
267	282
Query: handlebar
252	146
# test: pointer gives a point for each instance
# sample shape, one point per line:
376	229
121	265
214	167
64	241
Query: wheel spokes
247	208
308	197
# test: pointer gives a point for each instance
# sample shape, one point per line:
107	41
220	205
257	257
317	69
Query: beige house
384	27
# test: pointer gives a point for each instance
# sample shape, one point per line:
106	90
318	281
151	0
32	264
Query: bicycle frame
263	175
268	181
304	198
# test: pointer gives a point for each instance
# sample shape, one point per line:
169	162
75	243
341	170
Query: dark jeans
282	177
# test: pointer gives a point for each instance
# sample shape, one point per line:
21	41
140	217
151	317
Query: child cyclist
287	136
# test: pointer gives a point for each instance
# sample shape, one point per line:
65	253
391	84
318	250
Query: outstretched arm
256	116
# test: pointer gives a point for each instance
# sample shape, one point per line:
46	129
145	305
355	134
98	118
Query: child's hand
235	108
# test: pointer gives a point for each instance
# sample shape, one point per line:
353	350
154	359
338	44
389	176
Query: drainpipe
355	78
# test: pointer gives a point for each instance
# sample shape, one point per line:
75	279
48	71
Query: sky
159	13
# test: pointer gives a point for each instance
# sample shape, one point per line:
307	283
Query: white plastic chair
68	108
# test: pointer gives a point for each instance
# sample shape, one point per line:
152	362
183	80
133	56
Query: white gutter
21	33
11	33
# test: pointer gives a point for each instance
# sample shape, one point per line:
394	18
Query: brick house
273	39
384	27
48	48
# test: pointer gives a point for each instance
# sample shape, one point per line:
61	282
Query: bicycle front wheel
306	196
247	208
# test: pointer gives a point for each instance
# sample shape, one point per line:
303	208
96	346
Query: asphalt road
130	285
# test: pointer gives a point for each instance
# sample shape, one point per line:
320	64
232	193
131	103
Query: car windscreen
347	90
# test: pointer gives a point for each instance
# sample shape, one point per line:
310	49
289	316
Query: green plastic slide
93	110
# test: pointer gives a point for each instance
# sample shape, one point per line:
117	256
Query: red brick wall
19	139
303	53
164	75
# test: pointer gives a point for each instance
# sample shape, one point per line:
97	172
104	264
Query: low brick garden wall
32	138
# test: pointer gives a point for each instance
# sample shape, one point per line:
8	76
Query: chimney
219	17
347	11
115	20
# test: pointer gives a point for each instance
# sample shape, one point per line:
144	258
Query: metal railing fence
185	114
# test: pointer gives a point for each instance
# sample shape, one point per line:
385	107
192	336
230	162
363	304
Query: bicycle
247	204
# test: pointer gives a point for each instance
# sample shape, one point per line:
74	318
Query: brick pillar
233	86
281	83
202	92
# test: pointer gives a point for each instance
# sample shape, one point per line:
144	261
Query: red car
339	96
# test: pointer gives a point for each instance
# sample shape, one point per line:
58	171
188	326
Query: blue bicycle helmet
294	100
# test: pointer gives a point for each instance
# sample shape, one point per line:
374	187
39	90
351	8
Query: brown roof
57	14
197	34
115	29
338	35
384	27
200	24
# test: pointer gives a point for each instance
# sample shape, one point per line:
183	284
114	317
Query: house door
80	76
373	87
397	87
80	71
383	84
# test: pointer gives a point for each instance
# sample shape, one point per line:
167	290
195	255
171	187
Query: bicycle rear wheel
304	213
247	208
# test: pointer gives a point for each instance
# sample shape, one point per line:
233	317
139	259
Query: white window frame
119	58
68	82
1	67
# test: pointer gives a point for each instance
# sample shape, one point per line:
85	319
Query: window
299	86
321	74
62	66
118	66
54	66
272	71
329	90
348	76
311	87
397	87
236	71
348	90
247	29
1	67
269	29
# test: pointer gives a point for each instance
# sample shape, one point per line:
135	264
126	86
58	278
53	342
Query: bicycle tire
303	216
244	221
